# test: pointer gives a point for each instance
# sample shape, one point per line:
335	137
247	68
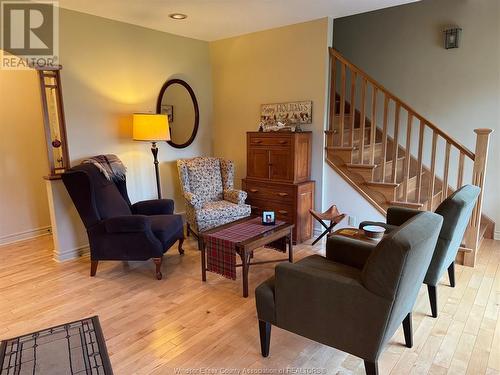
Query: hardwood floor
181	325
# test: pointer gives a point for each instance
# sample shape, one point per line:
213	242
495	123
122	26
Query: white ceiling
217	19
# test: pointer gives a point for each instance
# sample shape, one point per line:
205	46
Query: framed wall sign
290	113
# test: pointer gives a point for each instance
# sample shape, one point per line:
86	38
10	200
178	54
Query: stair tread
377	183
357	165
339	148
407	204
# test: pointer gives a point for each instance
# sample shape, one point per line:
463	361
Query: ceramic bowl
374	232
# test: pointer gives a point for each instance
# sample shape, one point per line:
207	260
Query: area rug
71	348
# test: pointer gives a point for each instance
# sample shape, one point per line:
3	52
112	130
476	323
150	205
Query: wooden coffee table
246	248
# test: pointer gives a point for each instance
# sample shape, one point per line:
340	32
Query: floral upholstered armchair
211	200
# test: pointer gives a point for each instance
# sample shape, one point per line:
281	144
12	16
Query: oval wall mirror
177	100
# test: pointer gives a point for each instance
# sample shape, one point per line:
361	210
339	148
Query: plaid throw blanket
221	245
110	166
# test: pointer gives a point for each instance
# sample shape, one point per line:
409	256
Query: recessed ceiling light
177	16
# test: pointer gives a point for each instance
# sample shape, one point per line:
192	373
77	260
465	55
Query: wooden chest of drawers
278	178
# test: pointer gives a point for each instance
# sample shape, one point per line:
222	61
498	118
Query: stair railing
342	128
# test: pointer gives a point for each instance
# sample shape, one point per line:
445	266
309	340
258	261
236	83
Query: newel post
478	178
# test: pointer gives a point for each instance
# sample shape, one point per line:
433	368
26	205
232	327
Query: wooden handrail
408	182
380	87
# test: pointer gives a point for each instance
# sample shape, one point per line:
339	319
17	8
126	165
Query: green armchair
356	297
456	211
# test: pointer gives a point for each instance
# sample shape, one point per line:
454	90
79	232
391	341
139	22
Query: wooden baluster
406	168
352	112
444	195
478	179
362	122
384	136
342	102
333	92
395	145
420	168
460	178
430	194
373	128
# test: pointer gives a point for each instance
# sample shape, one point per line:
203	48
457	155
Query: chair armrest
193	200
329	307
128	224
154	207
235	196
400	215
348	251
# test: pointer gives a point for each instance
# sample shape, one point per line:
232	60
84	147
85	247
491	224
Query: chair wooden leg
451	274
325	232
188	229
181	250
408	331
265	337
431	289
158	262
371	368
93	267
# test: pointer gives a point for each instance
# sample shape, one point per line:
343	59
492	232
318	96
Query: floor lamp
152	128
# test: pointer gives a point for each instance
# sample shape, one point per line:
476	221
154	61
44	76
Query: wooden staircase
393	156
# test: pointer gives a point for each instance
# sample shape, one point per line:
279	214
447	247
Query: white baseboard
70	254
496	235
25	235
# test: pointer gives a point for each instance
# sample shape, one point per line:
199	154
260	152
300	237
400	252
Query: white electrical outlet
352	221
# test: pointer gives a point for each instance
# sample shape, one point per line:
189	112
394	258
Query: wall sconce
452	37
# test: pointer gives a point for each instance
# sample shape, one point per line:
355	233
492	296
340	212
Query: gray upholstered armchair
211	200
456	211
355	298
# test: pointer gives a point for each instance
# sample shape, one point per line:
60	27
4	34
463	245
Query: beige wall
113	69
278	65
458	89
23	158
110	70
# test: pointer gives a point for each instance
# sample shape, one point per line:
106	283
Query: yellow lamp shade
150	127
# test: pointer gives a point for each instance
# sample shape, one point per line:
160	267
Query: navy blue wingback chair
117	229
356	297
456	211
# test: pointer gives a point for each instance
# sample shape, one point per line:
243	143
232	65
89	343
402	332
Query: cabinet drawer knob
283	212
257	141
282	142
283	194
253	190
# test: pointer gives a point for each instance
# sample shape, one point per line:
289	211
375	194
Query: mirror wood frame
183	83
